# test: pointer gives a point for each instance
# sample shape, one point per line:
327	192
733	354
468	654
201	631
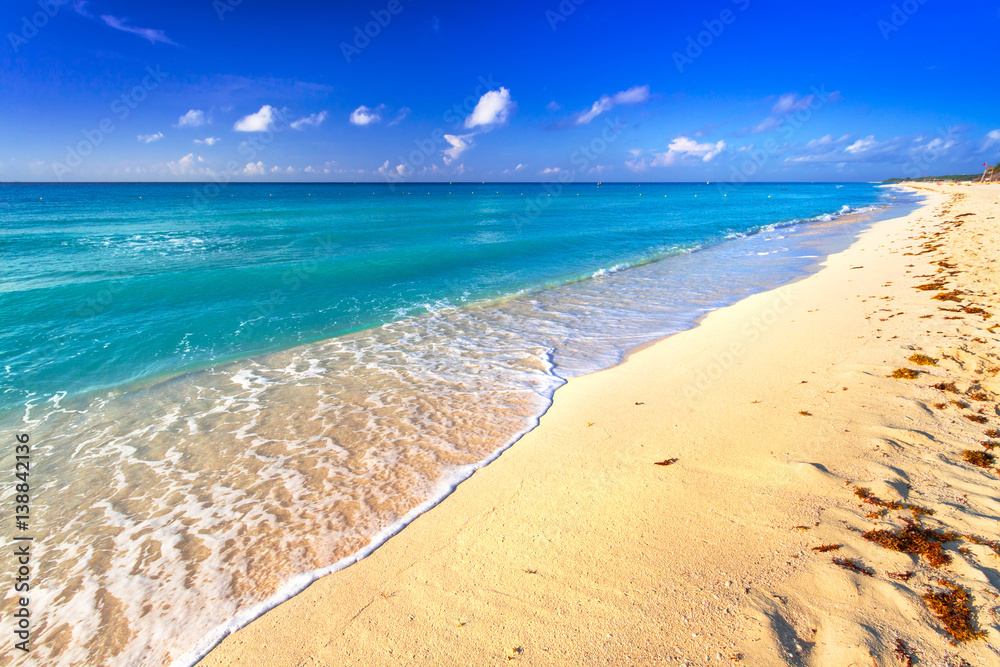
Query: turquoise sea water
232	394
107	284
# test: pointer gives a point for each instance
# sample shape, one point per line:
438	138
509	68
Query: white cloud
314	120
310	170
254	169
599	107
193	118
152	35
493	109
363	116
184	166
553	106
634	95
786	104
862	145
208	141
257	122
459	144
401	115
275	169
683	147
150	138
827	140
398	171
992	138
790	102
551	170
520	167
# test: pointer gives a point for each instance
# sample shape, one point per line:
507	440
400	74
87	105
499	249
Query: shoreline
244	439
160	378
449	484
506	575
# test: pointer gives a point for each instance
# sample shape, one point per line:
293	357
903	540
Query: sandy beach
727	495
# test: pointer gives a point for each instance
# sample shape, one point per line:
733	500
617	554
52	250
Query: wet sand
786	432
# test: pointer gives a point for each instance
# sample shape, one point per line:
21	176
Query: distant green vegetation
951	177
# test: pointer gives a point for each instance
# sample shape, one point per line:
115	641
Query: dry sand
575	549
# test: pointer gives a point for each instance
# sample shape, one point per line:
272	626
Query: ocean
231	391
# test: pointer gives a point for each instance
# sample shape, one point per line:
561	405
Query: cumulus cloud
683	147
493	109
254	169
193	118
150	138
909	155
396	172
208	141
184	166
550	170
634	95
363	116
257	122
314	120
459	144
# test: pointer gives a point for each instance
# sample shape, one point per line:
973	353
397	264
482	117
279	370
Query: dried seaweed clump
975	310
980	396
905	374
993	433
902	653
981	459
870	498
988	543
931	286
954	610
949	296
854	566
668	462
923	360
915	540
947	386
824	548
976	419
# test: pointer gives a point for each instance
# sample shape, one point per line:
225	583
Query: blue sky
256	90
